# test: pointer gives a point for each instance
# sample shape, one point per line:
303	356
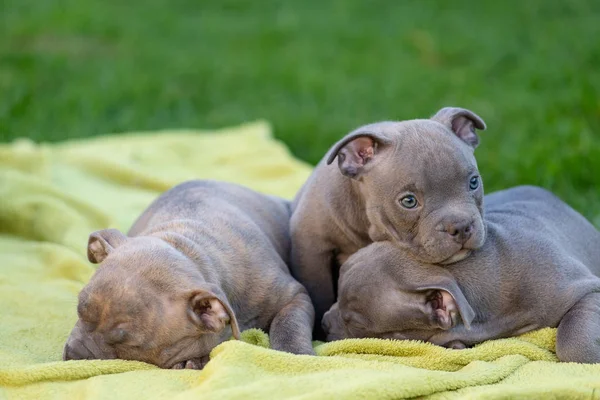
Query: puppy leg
311	264
291	329
578	336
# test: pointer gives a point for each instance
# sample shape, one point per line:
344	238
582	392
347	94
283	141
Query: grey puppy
204	261
538	268
413	182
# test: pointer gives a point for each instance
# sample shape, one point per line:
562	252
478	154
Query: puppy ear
356	150
451	287
212	313
464	308
101	243
462	122
333	325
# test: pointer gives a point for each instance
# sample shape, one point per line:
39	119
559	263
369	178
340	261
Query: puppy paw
456	345
194	363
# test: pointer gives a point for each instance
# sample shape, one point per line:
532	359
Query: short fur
538	268
204	261
343	208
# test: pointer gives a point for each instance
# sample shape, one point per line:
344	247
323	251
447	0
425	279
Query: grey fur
204	261
538	268
343	208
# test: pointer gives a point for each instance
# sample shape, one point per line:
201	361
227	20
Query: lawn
316	69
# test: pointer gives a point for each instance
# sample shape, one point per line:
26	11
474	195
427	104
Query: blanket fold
52	196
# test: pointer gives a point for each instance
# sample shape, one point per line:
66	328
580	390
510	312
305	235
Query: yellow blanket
53	196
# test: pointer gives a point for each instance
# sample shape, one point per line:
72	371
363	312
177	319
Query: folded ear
356	150
450	287
101	243
462	122
211	312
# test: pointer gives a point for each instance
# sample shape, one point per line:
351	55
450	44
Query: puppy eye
474	183
409	201
116	336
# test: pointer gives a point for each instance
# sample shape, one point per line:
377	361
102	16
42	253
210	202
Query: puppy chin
458	256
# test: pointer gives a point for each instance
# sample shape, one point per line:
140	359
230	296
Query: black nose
460	231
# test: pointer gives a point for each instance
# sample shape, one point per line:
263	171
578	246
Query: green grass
317	69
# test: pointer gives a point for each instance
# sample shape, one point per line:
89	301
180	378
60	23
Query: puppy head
144	304
384	294
419	182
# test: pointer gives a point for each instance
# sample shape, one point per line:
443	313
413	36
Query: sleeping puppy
385	294
538	268
203	262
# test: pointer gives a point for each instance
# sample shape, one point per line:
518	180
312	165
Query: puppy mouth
194	363
458	256
441	313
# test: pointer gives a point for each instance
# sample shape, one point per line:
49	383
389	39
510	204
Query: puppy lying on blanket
413	182
538	268
204	261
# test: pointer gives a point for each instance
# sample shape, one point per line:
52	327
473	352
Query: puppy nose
68	353
75	353
460	231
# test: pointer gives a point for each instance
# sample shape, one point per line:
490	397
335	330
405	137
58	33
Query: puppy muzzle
76	352
76	349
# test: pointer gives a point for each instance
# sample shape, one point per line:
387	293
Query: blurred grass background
316	69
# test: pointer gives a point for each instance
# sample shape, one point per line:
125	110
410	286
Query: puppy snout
459	230
71	352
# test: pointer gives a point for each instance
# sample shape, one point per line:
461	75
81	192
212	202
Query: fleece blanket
53	195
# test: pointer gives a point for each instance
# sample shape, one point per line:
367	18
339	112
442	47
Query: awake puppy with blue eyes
414	183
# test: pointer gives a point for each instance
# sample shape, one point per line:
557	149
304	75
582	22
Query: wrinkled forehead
366	291
116	296
383	265
429	154
146	262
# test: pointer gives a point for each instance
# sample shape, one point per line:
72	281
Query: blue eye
409	201
474	183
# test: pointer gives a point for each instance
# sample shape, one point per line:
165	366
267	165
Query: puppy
385	294
204	261
414	182
538	268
